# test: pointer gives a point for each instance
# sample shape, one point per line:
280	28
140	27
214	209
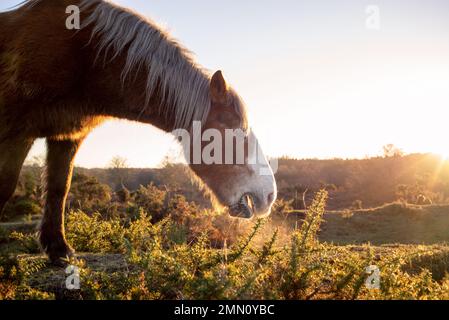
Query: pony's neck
175	87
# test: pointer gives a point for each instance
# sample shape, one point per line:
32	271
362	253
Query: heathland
151	234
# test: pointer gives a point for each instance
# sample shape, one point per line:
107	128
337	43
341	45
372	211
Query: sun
443	154
438	147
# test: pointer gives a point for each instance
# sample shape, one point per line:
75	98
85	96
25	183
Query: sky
318	79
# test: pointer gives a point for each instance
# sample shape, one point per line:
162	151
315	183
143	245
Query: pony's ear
218	88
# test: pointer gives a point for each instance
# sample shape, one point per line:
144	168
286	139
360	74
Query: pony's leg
60	156
12	155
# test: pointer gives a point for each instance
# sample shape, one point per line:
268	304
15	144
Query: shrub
93	234
163	263
20	206
87	194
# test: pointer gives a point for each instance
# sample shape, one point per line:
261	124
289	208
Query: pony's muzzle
245	208
250	205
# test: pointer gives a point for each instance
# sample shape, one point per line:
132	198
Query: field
359	88
190	252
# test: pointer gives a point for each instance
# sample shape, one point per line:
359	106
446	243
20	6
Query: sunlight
439	148
444	156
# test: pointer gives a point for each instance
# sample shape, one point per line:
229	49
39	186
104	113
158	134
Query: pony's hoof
60	255
56	247
59	260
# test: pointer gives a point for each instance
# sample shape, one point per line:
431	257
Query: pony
59	83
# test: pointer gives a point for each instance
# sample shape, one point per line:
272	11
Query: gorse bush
165	260
86	193
93	234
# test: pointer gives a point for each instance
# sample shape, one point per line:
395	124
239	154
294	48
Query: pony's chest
62	125
67	127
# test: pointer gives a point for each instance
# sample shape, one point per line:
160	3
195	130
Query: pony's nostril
270	197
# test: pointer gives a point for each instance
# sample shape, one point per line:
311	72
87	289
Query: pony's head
225	155
206	114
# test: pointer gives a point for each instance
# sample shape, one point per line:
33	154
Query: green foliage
171	247
27	242
311	225
164	259
19	207
92	233
87	194
14	274
151	199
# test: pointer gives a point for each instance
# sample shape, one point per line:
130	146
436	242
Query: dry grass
392	223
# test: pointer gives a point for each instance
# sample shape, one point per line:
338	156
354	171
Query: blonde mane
184	83
170	67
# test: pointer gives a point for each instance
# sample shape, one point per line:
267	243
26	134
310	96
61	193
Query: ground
298	255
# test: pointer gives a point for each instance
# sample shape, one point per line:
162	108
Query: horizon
38	161
325	88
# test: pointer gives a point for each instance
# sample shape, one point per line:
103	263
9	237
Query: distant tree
117	169
118	163
390	150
